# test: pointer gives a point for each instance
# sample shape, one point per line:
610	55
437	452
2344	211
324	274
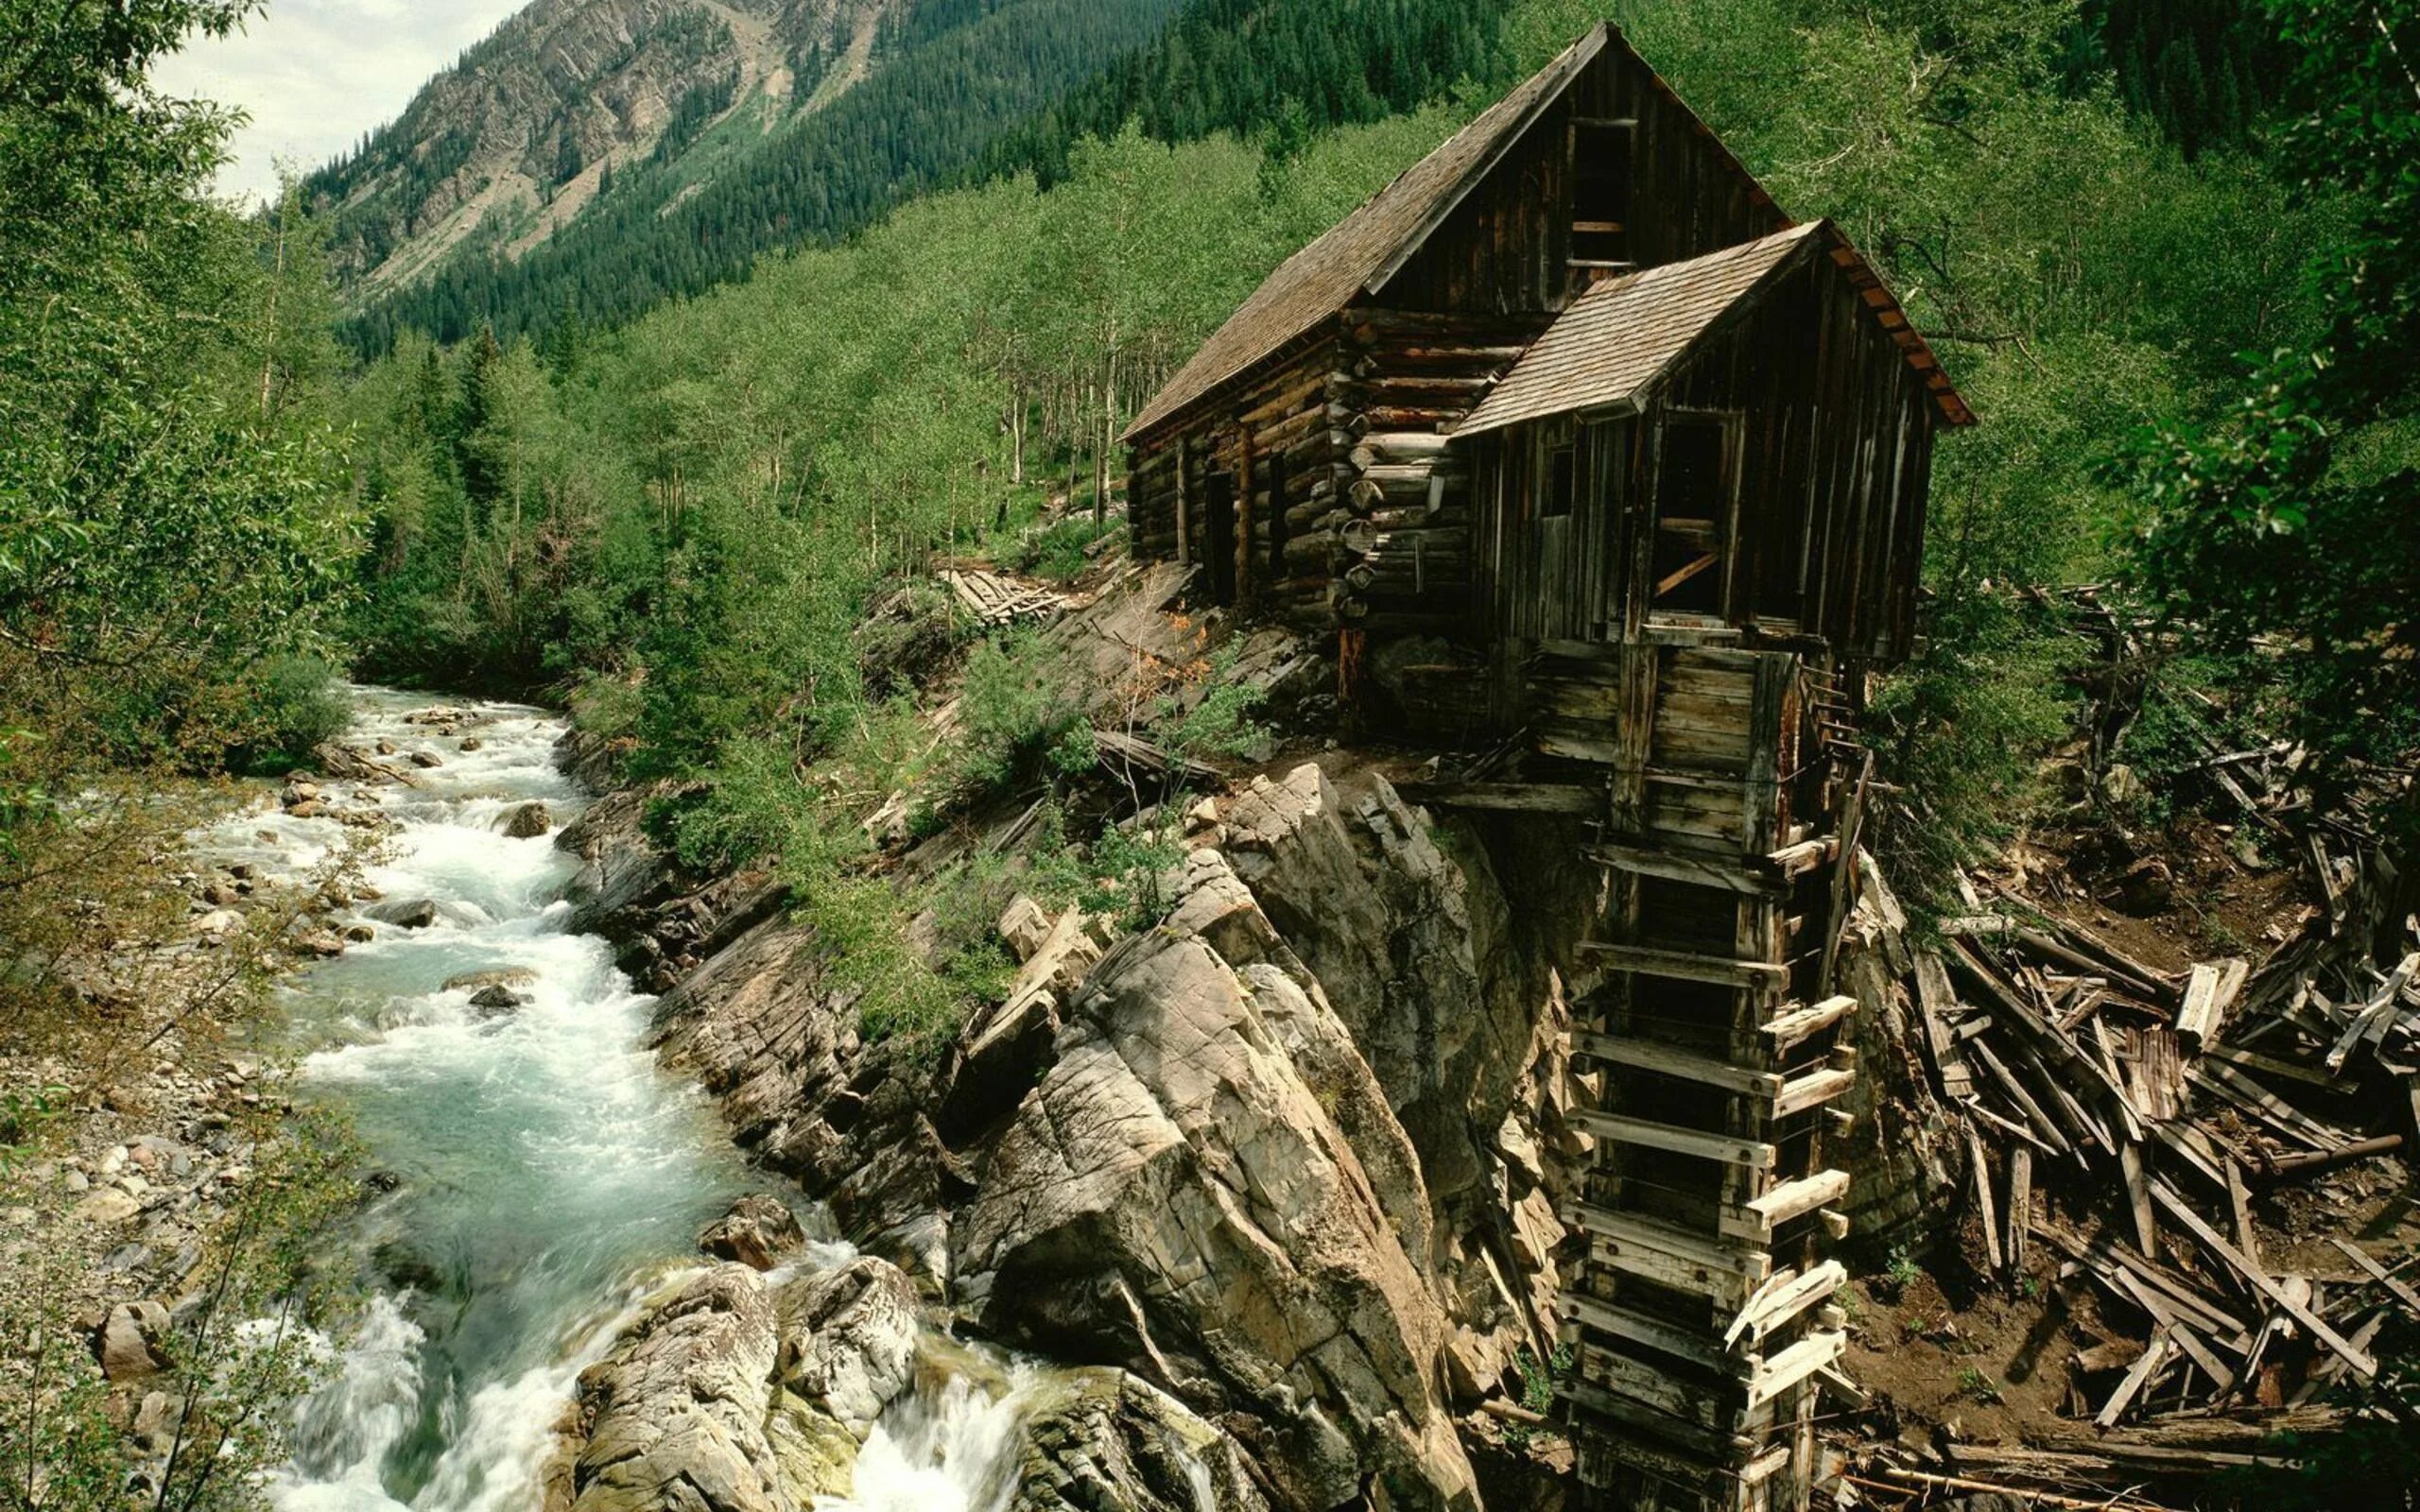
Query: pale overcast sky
315	74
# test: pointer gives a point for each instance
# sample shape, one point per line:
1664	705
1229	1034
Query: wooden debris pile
995	598
2157	1105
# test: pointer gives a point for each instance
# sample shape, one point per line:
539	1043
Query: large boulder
756	1232
527	821
777	1043
1098	1438
849	1341
732	1394
1409	945
131	1339
674	1417
1176	1197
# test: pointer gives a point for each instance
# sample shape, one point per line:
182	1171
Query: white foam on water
952	1451
549	1168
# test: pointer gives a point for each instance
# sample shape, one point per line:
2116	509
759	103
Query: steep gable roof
1324	277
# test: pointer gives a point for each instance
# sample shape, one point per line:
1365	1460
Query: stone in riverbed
502	976
849	1340
427	759
494	1001
756	1232
417	913
128	1338
527	821
471	742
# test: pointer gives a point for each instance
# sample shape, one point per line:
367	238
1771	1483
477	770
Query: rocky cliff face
516	138
1281	1164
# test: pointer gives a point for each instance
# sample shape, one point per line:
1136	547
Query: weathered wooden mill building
1573	407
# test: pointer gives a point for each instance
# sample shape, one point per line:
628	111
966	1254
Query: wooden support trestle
1698	1313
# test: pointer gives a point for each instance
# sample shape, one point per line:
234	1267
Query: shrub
292	704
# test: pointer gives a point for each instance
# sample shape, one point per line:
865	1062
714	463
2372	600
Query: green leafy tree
2284	536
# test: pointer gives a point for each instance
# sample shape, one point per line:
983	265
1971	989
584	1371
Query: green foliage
169	513
296	704
1974	1384
2283	534
1960	731
1021	712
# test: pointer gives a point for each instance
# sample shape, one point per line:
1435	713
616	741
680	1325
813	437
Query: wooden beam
1675	866
1755	1221
1727	1149
1686	965
1670	1060
1517	797
1794	1025
2263	1282
1637	1327
1813	1090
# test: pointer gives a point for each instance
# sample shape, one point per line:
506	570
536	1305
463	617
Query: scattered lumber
995	598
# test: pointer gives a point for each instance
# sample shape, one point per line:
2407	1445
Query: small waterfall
953	1449
342	1433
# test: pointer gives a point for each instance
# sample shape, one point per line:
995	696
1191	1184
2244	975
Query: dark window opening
1219	537
1601	185
1563	480
1276	520
1692	518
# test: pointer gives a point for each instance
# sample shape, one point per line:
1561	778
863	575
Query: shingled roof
1618	339
1324	277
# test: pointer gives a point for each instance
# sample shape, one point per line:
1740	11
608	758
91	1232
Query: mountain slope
597	156
518	137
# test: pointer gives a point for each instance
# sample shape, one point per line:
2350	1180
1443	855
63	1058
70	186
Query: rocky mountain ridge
519	137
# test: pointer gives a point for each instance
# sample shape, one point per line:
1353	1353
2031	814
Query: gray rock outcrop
1176	1195
1101	1438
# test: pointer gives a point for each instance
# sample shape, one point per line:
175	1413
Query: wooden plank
1516	798
2262	1282
2020	1206
1637	1327
1813	1090
1773	1377
1782	1299
1756	1221
1794	1026
1673	866
1670	1060
2136	1378
1633	1231
1983	1198
2410	1298
1728	1149
2138	1197
1685	965
2247	1237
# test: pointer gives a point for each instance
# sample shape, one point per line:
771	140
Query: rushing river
549	1175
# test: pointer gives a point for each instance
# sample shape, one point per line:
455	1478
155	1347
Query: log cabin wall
1257	476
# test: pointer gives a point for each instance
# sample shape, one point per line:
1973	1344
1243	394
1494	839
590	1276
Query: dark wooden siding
1283	428
1505	248
1833	455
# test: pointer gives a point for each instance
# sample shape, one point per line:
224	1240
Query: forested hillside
687	469
942	83
625	515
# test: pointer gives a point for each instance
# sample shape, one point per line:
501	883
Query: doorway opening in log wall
1693	516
